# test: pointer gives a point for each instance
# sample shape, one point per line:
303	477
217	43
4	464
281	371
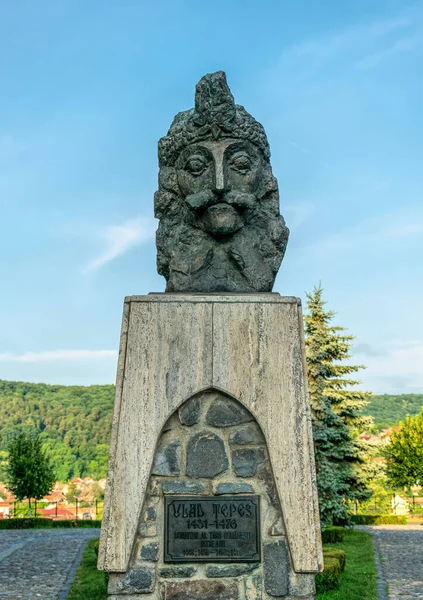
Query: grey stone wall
210	446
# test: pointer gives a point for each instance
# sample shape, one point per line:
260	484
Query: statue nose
219	179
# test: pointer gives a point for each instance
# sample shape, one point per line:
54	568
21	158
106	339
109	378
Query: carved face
219	181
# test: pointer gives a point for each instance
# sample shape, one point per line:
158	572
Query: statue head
220	228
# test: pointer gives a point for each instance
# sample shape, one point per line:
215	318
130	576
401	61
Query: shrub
330	577
79	524
378	519
332	535
335	553
41	523
37	523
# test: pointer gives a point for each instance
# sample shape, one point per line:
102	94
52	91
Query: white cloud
371	233
300	148
121	238
361	45
296	213
395	368
368	350
59	355
402	45
328	46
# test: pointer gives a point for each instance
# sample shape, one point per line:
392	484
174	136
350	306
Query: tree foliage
388	410
343	470
74	423
404	453
29	473
73	493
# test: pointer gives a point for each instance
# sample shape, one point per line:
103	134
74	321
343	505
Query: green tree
342	465
96	491
29	473
404	453
380	502
73	493
74	423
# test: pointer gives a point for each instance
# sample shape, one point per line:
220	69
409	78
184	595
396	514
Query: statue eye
241	163
196	165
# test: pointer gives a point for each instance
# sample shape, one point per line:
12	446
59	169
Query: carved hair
215	116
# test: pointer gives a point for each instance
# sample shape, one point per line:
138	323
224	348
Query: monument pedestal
211	490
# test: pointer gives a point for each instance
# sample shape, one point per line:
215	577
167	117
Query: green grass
89	584
358	581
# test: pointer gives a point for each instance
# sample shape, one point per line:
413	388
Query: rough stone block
233	488
200	589
168	459
247	460
301	585
189	413
276	568
151	514
136	581
248	434
253	587
277	527
154	488
183	487
150	552
206	455
148	529
227	413
175	572
230	570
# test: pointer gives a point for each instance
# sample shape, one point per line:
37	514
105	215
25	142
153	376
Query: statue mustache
205	198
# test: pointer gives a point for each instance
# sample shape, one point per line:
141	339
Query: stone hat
215	116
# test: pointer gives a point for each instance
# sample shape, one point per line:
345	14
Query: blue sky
88	88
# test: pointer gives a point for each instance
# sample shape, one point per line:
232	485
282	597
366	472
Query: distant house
399	505
6	510
59	513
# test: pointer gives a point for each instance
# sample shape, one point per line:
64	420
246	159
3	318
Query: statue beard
221	215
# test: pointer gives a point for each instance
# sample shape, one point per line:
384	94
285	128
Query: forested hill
75	421
388	410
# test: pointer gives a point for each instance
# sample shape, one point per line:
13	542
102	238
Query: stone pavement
400	549
37	564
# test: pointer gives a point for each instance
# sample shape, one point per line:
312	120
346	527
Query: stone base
211	399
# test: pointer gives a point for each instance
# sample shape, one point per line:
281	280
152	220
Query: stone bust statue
220	227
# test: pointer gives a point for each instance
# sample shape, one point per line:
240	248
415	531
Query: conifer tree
342	465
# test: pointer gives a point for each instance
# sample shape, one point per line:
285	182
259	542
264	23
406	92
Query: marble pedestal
237	363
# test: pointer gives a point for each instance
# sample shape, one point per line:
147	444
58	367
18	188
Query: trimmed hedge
330	578
379	519
79	524
41	523
335	553
38	523
332	535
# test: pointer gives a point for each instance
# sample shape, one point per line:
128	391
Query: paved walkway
401	554
36	564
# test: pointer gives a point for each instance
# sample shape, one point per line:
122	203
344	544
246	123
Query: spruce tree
342	465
